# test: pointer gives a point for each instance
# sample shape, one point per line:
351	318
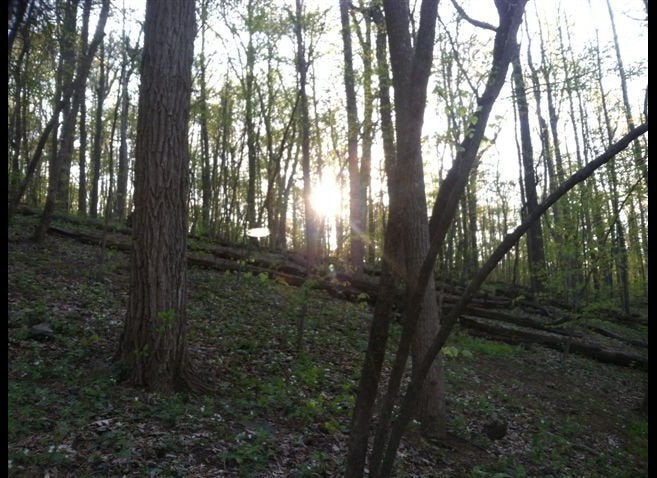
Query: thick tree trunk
411	68
152	349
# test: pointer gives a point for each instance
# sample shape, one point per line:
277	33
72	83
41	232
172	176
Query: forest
348	238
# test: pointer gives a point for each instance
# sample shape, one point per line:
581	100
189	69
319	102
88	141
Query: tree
410	74
82	183
152	349
311	224
535	253
68	92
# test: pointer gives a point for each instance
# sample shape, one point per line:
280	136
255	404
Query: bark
18	117
619	248
311	225
636	147
101	88
16	10
61	169
356	220
82	153
407	404
535	250
124	106
410	84
206	184
152	349
411	69
558	342
442	216
251	138
364	191
80	77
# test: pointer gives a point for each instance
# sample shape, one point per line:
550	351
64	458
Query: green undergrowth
277	410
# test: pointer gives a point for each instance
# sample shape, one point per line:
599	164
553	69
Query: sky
585	17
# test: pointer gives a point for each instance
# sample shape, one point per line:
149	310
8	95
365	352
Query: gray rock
41	331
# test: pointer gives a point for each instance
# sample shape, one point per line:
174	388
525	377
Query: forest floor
278	411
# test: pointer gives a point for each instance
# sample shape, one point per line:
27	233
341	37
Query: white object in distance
258	232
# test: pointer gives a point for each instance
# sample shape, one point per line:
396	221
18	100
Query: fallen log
365	288
558	342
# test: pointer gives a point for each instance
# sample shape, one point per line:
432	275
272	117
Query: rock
41	331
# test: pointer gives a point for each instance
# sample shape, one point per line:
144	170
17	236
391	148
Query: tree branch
471	20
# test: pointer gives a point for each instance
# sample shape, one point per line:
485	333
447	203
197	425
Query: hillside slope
279	411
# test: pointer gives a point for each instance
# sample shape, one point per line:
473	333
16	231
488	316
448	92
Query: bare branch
471	20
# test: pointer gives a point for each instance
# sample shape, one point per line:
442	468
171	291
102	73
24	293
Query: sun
326	198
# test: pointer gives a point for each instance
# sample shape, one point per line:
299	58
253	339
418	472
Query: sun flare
326	198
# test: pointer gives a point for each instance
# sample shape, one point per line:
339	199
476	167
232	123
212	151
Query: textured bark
152	349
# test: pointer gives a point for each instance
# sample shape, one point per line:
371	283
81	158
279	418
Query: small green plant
251	452
463	343
318	465
638	438
172	409
506	468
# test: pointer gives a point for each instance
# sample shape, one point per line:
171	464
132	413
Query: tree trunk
365	199
101	89
357	224
311	225
407	404
82	153
122	173
535	251
70	89
62	167
510	14
411	67
636	148
619	247
152	349
206	184
251	139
